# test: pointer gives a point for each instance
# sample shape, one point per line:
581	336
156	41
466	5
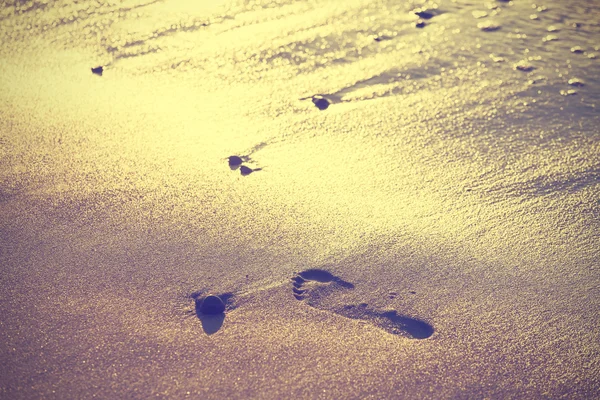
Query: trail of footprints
316	286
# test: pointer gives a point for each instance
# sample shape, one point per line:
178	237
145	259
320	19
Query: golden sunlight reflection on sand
389	198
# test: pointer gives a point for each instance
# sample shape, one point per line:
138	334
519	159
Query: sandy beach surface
415	216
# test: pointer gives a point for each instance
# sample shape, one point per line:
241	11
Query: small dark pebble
420	24
245	170
577	50
489	26
576	82
98	70
321	103
212	305
235	161
424	14
382	38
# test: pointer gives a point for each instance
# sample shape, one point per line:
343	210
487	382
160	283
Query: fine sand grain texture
299	199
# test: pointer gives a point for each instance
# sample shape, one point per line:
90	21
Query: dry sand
431	234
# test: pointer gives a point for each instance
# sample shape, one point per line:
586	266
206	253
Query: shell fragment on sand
98	70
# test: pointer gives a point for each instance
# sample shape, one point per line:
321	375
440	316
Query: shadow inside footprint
211	315
320	275
390	321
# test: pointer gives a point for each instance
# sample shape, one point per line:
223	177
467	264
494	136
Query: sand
432	233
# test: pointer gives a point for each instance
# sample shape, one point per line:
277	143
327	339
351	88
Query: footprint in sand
315	285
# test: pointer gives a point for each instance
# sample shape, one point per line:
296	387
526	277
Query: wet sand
429	231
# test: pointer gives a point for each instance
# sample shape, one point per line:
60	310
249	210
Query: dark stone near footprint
212	305
98	70
321	103
235	161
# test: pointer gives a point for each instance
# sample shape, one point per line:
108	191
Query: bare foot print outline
314	285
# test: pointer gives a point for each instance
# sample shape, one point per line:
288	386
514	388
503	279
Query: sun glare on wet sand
295	198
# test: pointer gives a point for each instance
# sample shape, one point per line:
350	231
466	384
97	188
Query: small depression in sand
314	285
